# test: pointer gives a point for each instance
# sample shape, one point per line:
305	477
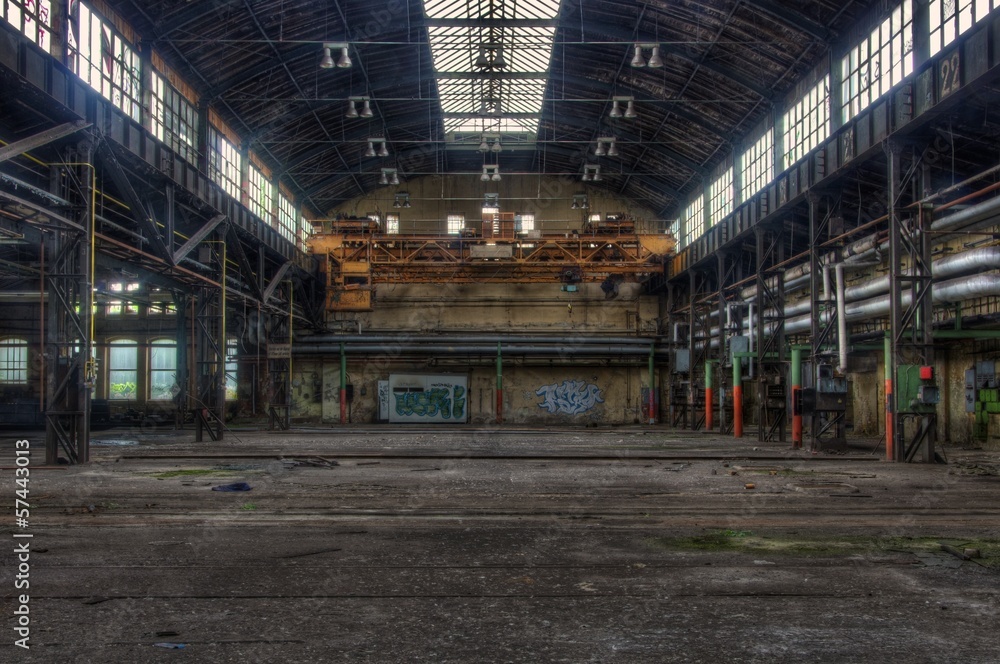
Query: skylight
492	61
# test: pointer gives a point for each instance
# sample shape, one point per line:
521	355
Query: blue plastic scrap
175	646
236	486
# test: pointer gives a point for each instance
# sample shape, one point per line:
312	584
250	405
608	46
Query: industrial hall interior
465	279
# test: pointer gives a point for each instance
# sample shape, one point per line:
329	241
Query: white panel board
441	398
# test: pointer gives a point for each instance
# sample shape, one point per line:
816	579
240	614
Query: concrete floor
461	545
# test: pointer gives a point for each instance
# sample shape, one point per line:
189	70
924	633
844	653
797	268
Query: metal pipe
841	321
430	349
751	328
468	339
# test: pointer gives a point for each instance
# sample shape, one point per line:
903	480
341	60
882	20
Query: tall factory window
872	67
123	359
807	122
694	219
105	61
758	165
456	222
287	219
392	224
720	195
13	361
951	18
232	368
224	162
32	17
260	194
174	119
527	222
162	369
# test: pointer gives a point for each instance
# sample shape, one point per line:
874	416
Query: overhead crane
356	262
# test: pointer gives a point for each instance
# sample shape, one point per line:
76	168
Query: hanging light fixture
499	62
484	146
396	203
327	61
630	110
383	151
366	109
616	110
655	61
344	60
394	179
482	61
370	152
406	201
496	145
384	179
352	110
575	205
637	60
612	148
496	175
485	177
599	152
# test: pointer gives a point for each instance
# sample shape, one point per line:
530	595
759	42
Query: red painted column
890	442
709	396
796	397
737	397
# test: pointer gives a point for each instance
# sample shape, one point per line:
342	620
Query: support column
499	384
708	395
796	397
70	369
737	396
343	384
652	384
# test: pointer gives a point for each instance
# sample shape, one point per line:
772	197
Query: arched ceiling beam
791	18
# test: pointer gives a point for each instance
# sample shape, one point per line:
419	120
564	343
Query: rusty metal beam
16	148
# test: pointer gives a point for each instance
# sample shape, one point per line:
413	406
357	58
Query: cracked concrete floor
448	545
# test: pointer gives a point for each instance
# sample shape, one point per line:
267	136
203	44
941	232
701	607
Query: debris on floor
235	486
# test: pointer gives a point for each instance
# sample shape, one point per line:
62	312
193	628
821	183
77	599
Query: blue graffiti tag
573	397
435	402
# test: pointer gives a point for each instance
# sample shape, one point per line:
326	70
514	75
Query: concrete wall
532	395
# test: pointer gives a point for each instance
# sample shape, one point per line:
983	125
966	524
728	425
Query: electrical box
986	377
739	344
682	360
829	383
928	395
970	390
913	394
926	373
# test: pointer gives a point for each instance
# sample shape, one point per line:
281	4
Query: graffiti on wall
427	398
571	397
438	402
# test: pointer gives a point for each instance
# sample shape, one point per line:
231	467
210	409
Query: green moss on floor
748	542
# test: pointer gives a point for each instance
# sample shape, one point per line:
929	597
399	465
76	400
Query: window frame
14	359
155	393
120	373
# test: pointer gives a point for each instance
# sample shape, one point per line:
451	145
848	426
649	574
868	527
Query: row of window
868	71
122	367
106	60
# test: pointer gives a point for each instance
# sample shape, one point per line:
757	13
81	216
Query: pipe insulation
971	218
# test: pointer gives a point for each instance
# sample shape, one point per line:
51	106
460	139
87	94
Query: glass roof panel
491	67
